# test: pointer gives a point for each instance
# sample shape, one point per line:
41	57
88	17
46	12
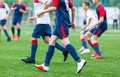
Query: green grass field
12	52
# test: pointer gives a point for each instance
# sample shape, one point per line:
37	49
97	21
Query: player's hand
31	19
88	28
82	28
40	14
15	8
73	26
21	10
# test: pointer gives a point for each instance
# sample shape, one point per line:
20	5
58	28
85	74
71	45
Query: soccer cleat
85	51
17	39
81	49
65	54
13	37
94	54
8	39
80	65
42	67
28	60
97	57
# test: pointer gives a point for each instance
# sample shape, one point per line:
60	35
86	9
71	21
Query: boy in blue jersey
61	31
98	29
19	8
42	29
4	13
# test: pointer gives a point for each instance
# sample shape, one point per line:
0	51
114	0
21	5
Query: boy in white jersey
43	29
90	19
4	13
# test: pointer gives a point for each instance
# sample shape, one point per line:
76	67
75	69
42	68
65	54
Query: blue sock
49	55
6	33
96	48
73	52
34	49
84	43
13	30
19	30
59	47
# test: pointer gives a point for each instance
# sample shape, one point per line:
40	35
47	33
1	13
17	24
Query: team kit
93	28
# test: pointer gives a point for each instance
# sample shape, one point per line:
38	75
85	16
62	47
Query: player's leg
62	32
97	33
34	44
116	24
18	31
84	43
49	54
5	30
14	22
113	24
58	46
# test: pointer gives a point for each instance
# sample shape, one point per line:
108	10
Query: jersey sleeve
25	8
14	5
70	3
101	12
55	3
7	8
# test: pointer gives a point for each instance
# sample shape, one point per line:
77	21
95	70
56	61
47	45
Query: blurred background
110	6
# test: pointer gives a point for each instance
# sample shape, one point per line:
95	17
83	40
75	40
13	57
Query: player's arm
24	10
50	9
46	5
99	21
87	25
71	5
31	19
13	7
8	11
102	14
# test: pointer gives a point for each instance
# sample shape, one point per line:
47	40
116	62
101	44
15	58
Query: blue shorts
41	30
2	22
16	20
61	31
99	30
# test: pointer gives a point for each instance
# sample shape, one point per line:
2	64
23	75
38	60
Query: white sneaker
80	65
42	67
81	49
86	51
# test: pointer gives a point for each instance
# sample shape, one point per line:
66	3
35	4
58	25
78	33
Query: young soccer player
61	7
19	8
42	29
90	19
100	28
4	13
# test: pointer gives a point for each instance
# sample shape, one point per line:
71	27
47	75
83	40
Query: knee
46	41
32	38
65	42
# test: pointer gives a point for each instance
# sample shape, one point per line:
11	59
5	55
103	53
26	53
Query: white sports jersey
115	16
3	10
38	6
89	14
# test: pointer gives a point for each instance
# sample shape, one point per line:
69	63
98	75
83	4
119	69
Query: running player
42	29
98	29
19	8
4	13
61	31
90	19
